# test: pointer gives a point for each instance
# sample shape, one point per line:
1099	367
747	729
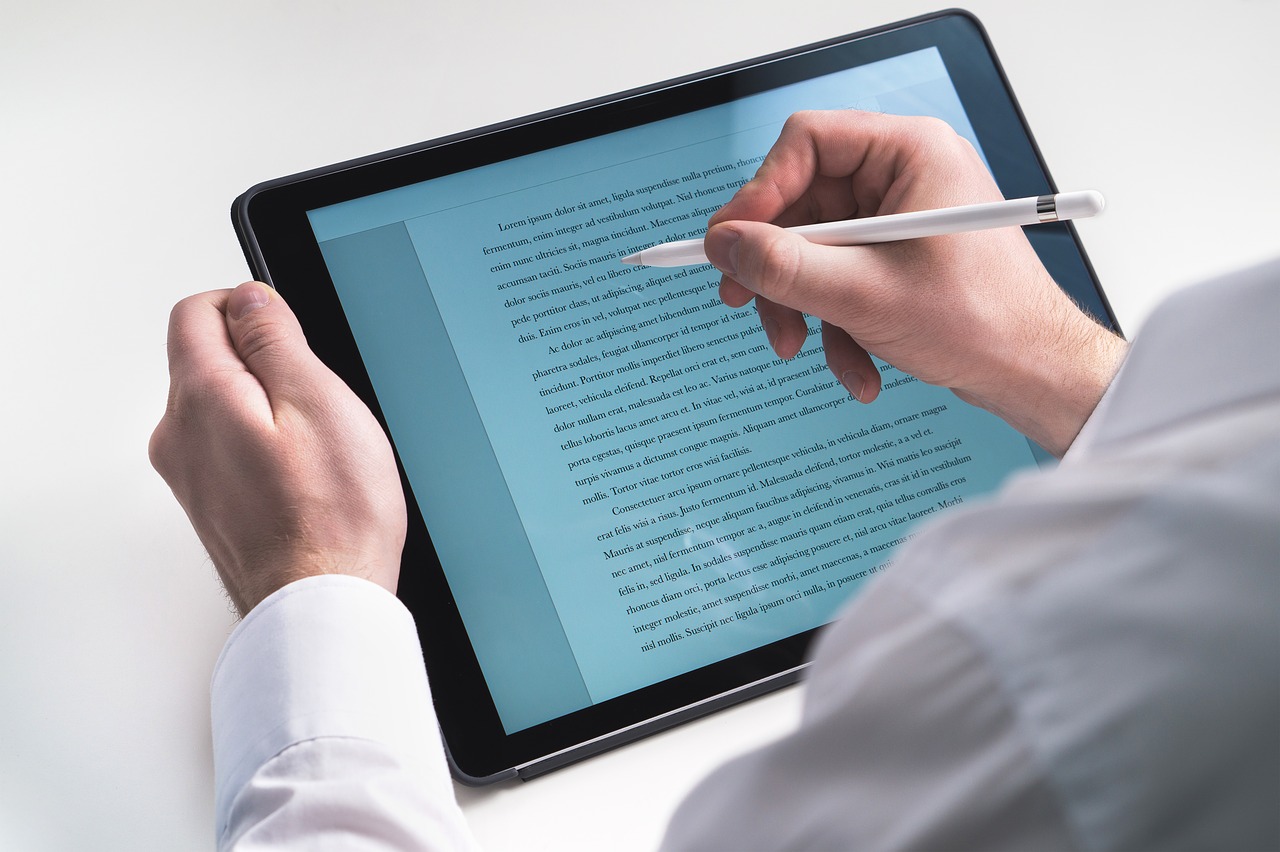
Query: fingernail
721	246
853	383
247	297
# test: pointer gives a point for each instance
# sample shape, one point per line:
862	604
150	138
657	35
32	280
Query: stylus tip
633	259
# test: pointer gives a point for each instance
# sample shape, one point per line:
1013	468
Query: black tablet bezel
272	225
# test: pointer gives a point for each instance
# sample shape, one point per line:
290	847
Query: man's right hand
974	312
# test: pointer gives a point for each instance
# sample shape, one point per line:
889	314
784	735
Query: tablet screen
621	481
673	494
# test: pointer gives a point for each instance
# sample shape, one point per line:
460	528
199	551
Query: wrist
249	583
1047	388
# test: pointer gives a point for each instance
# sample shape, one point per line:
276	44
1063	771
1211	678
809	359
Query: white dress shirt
1090	660
320	732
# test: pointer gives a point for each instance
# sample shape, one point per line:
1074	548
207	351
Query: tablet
625	511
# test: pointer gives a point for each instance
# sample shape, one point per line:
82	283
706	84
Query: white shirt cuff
327	656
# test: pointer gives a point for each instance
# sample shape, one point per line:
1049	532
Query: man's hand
975	312
283	471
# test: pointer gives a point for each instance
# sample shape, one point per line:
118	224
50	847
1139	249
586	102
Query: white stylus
1033	210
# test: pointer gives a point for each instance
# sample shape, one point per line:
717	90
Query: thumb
792	277
267	337
785	268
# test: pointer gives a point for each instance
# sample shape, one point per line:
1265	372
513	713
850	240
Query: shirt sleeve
1084	660
324	734
908	741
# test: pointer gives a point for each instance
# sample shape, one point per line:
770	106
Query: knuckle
184	309
778	268
940	138
187	316
158	451
798	122
933	125
181	321
262	339
805	121
199	400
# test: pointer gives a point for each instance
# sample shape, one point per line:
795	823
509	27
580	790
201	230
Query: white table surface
127	128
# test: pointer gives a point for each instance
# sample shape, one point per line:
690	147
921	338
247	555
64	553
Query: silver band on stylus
1046	208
